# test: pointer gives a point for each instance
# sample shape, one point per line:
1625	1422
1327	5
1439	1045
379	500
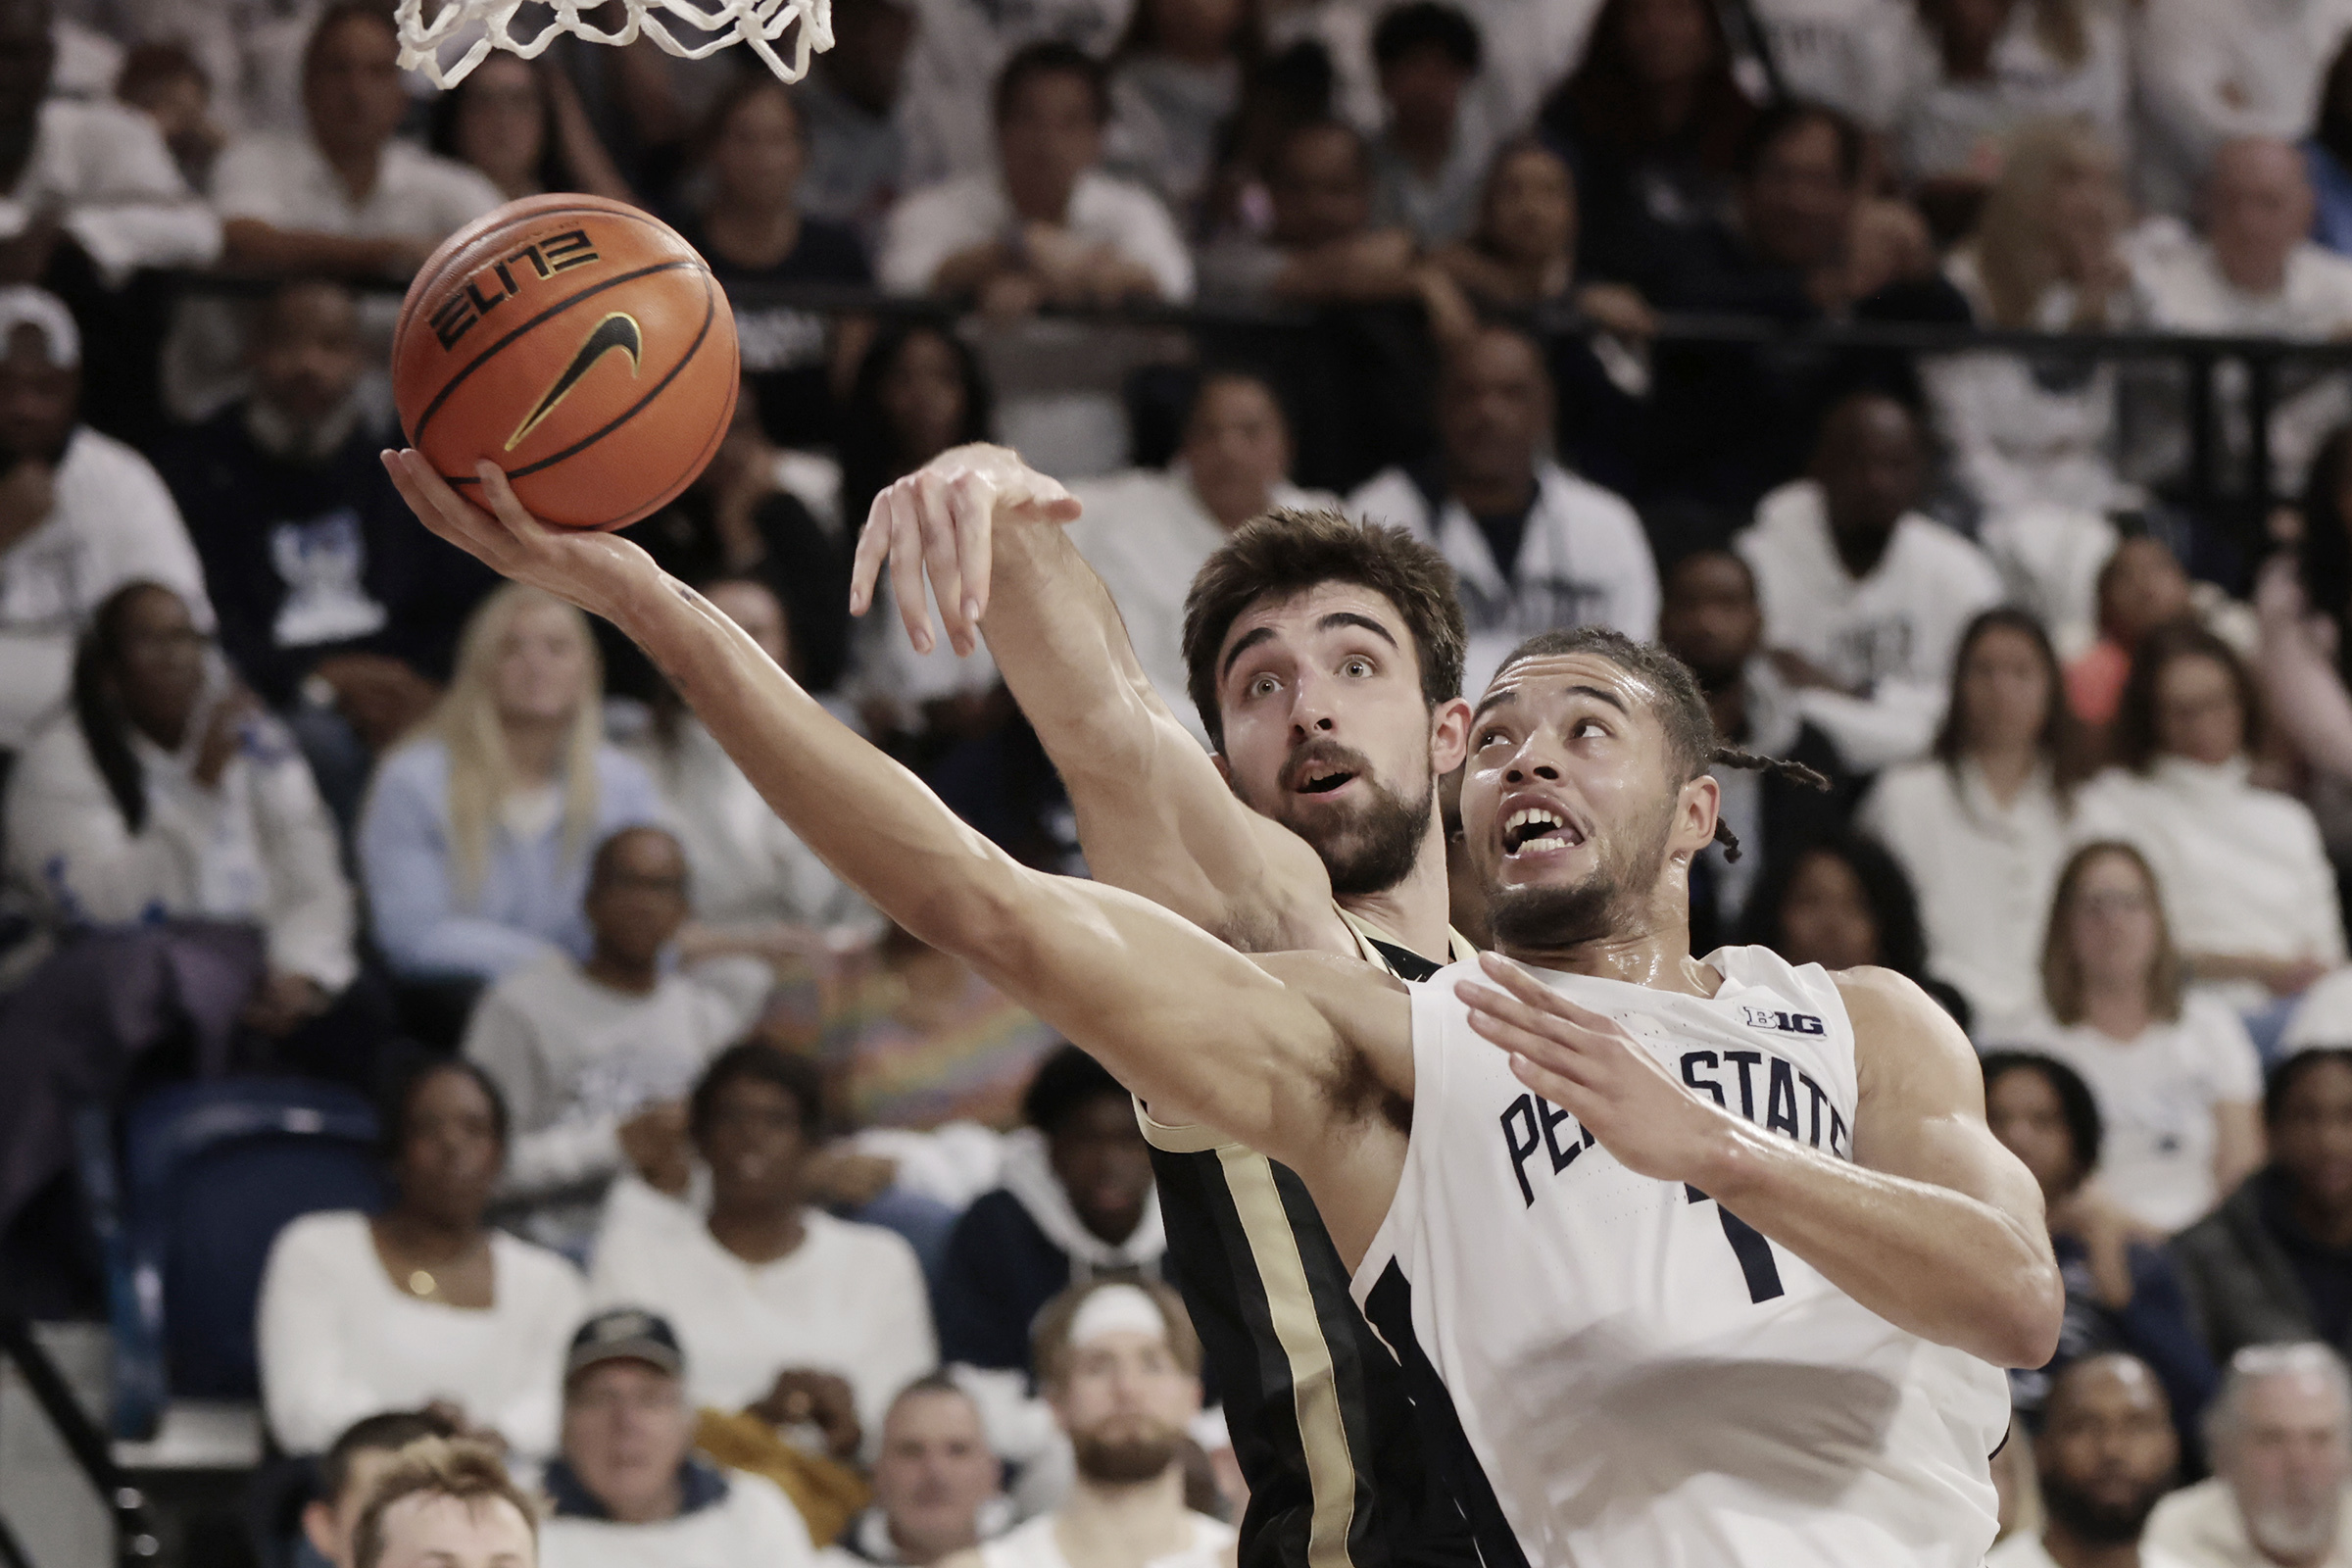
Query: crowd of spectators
743	1225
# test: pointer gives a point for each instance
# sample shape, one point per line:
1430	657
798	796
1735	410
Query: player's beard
1371	849
1543	917
1133	1450
2096	1521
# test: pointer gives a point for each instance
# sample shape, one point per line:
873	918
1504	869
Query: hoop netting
756	22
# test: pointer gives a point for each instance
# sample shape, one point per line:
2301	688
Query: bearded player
1693	1261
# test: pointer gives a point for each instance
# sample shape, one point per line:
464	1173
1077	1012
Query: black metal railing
137	1540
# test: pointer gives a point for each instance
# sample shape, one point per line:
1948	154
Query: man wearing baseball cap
628	1491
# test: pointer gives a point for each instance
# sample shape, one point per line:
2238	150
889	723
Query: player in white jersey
1585	797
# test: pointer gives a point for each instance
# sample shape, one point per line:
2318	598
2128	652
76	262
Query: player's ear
1696	810
319	1528
1448	735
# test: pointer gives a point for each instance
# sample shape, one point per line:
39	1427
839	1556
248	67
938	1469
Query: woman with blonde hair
476	836
2047	254
2173	1072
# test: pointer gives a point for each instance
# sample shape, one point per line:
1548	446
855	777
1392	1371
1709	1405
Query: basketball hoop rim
758	24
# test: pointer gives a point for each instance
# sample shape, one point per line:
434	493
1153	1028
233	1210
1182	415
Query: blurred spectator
1175	79
1837	52
2247	888
857	154
2141	588
2047	254
1427	160
80	514
1122	1367
445	1504
925	1041
594	1060
629	1491
2122	1291
2256	272
475	840
2303	599
1844	902
759	895
2175	1077
1077	1203
421	1305
785	1310
1047	225
935	1483
1982	826
917	392
1533	546
518	122
2274	1261
1711	622
2106	1456
1975	71
1864	598
347	1472
2209	74
1147	532
167	795
753	148
340	611
165	82
1653	119
960	49
1321	247
2327	157
2279	1437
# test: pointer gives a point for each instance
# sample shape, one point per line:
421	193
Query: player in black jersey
1325	659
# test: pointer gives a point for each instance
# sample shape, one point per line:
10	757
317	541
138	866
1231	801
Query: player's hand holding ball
597	571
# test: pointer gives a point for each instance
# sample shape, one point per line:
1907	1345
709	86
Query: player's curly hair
1692	742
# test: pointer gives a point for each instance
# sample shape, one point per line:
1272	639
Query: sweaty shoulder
1906	1048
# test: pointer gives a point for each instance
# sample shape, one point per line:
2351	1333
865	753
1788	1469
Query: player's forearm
1946	1266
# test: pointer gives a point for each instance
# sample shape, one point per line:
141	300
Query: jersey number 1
1749	1247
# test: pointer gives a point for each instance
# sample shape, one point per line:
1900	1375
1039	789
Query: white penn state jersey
1616	1370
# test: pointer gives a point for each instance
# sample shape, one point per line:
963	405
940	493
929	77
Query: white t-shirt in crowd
960	46
257	845
754	1526
111	521
339	1340
2026	1552
1584	561
1983	873
1892	635
1145	534
934	223
2323	1017
2156	1097
120	195
1843	53
1036	1544
575	1059
2243	869
850	1299
2208	73
1948	126
2200	1527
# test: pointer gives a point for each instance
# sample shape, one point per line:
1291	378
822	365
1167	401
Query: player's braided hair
1691	738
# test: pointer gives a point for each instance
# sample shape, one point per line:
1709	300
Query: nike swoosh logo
617	330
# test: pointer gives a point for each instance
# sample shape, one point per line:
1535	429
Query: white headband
1114	1309
22	305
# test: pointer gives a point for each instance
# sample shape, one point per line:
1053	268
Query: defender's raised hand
597	571
940	519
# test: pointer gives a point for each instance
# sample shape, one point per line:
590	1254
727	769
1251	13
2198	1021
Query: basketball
580	343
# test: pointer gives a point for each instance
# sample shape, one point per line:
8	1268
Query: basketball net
756	22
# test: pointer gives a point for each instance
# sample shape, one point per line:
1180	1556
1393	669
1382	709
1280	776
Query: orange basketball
577	343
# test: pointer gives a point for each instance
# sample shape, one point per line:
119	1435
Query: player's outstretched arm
1933	1224
1155	817
1179	1016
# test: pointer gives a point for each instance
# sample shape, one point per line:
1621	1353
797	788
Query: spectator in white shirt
1973	71
629	1490
1175	79
935	1483
2247	883
80	514
2279	1437
2107	1455
1148	532
422	1304
1982	826
2174	1073
1534	547
1843	53
784	1310
595	1058
2208	73
168	794
959	51
1321	245
2255	270
850	103
166	83
1430	159
1864	598
1046	224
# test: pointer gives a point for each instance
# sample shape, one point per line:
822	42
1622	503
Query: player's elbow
2021	1324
